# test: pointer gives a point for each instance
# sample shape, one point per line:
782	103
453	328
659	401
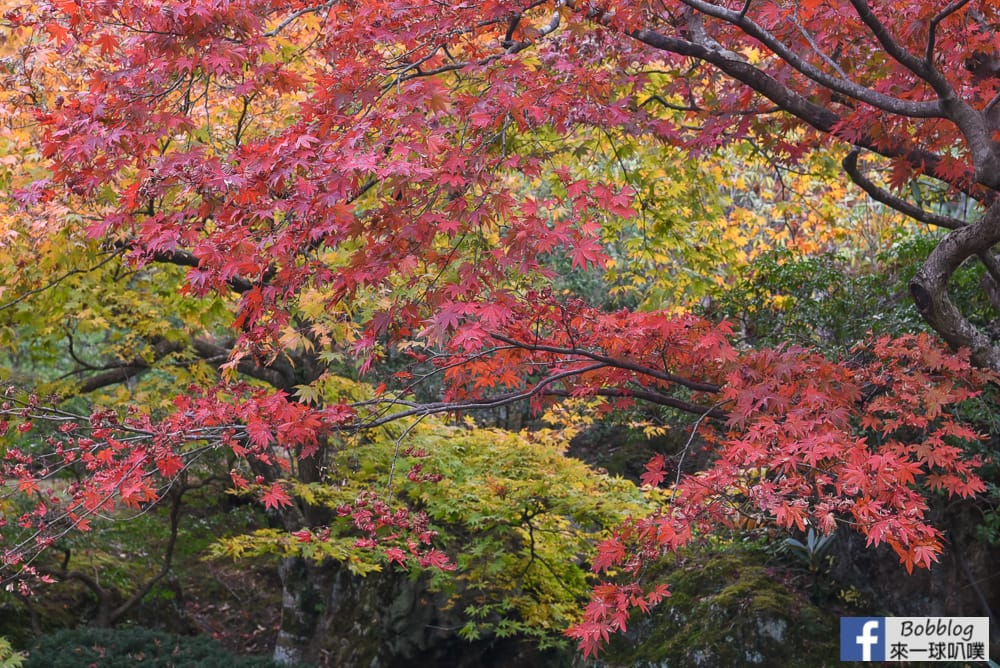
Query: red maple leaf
276	497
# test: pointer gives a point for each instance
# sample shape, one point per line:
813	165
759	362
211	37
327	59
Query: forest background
367	333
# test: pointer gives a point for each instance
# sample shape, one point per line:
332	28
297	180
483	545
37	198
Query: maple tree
353	180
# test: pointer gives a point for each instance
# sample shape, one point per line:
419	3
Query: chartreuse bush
8	657
109	648
518	519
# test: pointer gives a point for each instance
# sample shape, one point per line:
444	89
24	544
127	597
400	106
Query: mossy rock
109	648
727	608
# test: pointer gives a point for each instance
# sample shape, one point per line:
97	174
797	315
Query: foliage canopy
384	189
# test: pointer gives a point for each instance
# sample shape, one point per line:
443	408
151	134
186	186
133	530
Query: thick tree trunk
930	287
305	588
305	584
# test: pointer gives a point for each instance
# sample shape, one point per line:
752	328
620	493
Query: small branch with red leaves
694	385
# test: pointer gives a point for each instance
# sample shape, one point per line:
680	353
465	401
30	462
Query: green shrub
8	657
109	648
832	301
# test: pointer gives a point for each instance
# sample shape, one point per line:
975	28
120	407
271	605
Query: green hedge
109	648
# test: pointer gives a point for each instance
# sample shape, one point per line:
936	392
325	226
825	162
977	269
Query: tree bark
930	288
305	586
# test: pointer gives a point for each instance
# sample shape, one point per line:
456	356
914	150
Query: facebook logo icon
862	638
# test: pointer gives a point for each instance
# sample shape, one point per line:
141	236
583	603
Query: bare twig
932	30
59	279
818	51
684	451
292	17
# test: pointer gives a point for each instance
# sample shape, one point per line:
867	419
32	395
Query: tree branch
850	164
930	287
890	45
292	17
818	51
814	115
239	284
112	377
932	30
612	362
119	372
653	398
909	108
210	351
473	404
168	557
970	122
56	281
185	258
